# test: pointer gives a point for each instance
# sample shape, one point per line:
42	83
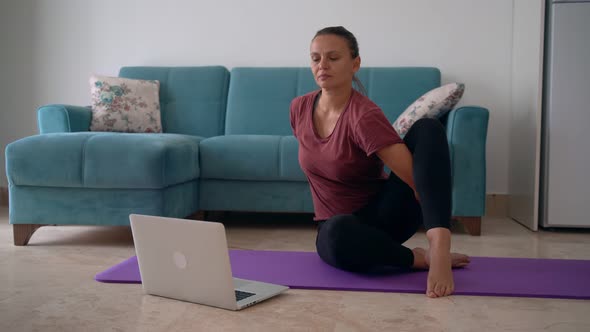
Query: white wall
469	40
17	91
525	124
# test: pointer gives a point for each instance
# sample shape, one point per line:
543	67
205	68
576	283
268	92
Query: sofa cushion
192	99
103	160
251	157
125	105
259	98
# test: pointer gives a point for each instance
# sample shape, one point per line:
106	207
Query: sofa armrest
63	118
467	129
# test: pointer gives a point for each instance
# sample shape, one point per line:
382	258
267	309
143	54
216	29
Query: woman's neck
334	100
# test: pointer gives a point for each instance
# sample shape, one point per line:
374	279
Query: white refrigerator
565	144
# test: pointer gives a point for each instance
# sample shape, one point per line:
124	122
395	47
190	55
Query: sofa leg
23	232
472	224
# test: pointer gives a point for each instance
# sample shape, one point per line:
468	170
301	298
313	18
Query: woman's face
332	64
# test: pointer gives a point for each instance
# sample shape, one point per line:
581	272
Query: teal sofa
227	146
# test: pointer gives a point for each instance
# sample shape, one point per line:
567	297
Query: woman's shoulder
301	103
299	100
361	104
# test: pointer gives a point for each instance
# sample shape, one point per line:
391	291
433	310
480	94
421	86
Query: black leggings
372	236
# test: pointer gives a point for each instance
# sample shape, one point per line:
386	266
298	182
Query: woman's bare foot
422	259
439	263
440	277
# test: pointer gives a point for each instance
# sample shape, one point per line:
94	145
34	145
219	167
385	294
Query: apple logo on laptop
179	260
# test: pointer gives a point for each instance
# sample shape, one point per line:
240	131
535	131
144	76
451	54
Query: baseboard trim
3	196
496	205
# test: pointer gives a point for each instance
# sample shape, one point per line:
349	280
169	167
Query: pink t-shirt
343	169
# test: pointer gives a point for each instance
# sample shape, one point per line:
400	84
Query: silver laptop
189	260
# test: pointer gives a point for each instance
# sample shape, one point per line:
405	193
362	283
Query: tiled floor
48	286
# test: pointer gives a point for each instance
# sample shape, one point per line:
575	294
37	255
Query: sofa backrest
192	99
259	98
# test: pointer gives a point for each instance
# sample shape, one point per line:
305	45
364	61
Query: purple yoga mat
488	276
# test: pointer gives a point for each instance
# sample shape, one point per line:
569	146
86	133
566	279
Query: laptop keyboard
242	295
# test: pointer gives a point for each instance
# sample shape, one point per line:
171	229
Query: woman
364	215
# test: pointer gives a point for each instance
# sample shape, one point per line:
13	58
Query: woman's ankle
439	238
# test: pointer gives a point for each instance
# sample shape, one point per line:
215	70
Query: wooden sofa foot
471	224
23	232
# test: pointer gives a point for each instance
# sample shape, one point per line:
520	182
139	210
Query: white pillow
433	104
125	105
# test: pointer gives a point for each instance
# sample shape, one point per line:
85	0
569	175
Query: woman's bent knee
334	242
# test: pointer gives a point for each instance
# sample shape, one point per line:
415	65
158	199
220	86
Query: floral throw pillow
433	104
125	105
